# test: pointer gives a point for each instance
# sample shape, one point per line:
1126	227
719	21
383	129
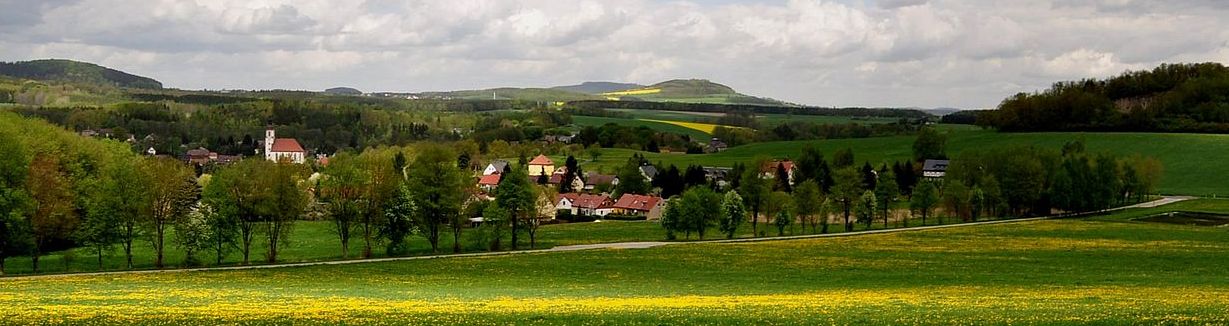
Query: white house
278	148
495	167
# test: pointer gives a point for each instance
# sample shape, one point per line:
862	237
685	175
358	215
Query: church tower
269	138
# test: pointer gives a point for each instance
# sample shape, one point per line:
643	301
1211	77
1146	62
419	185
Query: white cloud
869	53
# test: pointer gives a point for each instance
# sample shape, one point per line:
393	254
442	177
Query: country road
613	245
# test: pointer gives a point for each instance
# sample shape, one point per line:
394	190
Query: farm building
934	169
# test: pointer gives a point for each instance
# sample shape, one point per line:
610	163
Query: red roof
772	166
286	145
489	180
541	160
637	202
585	200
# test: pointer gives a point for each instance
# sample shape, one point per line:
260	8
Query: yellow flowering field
707	128
1047	272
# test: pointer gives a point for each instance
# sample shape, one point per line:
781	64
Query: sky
872	53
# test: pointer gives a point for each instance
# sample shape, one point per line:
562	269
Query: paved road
615	245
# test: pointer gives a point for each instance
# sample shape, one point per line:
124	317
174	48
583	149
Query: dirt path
614	245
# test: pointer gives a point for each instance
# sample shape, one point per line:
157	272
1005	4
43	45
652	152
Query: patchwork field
1103	270
764	119
1192	161
583	121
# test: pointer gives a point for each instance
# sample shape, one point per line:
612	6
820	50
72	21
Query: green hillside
1193	162
74	71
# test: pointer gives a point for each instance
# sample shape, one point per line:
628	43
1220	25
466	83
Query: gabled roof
286	145
198	152
591	201
648	170
489	180
772	166
935	165
637	202
598	179
541	160
499	164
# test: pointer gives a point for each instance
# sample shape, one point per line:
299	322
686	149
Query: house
594	180
277	149
934	169
540	165
557	178
200	156
488	182
717	175
151	152
649	172
639	205
769	170
583	204
496	167
715	145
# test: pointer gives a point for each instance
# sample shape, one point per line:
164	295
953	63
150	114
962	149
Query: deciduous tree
733	213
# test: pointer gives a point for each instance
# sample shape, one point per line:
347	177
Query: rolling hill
75	71
690	91
597	87
678	90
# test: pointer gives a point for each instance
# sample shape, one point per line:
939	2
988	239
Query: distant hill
75	71
690	91
597	87
343	91
678	90
941	111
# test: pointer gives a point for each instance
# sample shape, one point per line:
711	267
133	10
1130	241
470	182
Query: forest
1169	98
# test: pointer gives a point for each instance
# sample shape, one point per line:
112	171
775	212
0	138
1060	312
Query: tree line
1171	97
1005	182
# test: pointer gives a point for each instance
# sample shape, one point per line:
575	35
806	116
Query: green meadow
1100	270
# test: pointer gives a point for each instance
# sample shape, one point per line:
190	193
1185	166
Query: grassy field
312	241
1103	270
1193	162
583	121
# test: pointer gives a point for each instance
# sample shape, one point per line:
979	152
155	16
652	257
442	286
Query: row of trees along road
1002	182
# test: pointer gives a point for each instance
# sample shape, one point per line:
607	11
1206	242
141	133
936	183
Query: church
277	149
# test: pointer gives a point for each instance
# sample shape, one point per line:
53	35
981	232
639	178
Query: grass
1193	162
312	241
1103	270
766	120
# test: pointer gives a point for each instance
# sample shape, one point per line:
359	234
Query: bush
614	217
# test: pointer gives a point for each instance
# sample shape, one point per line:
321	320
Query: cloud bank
921	53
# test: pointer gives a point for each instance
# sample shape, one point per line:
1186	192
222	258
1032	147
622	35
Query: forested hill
75	71
1172	97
